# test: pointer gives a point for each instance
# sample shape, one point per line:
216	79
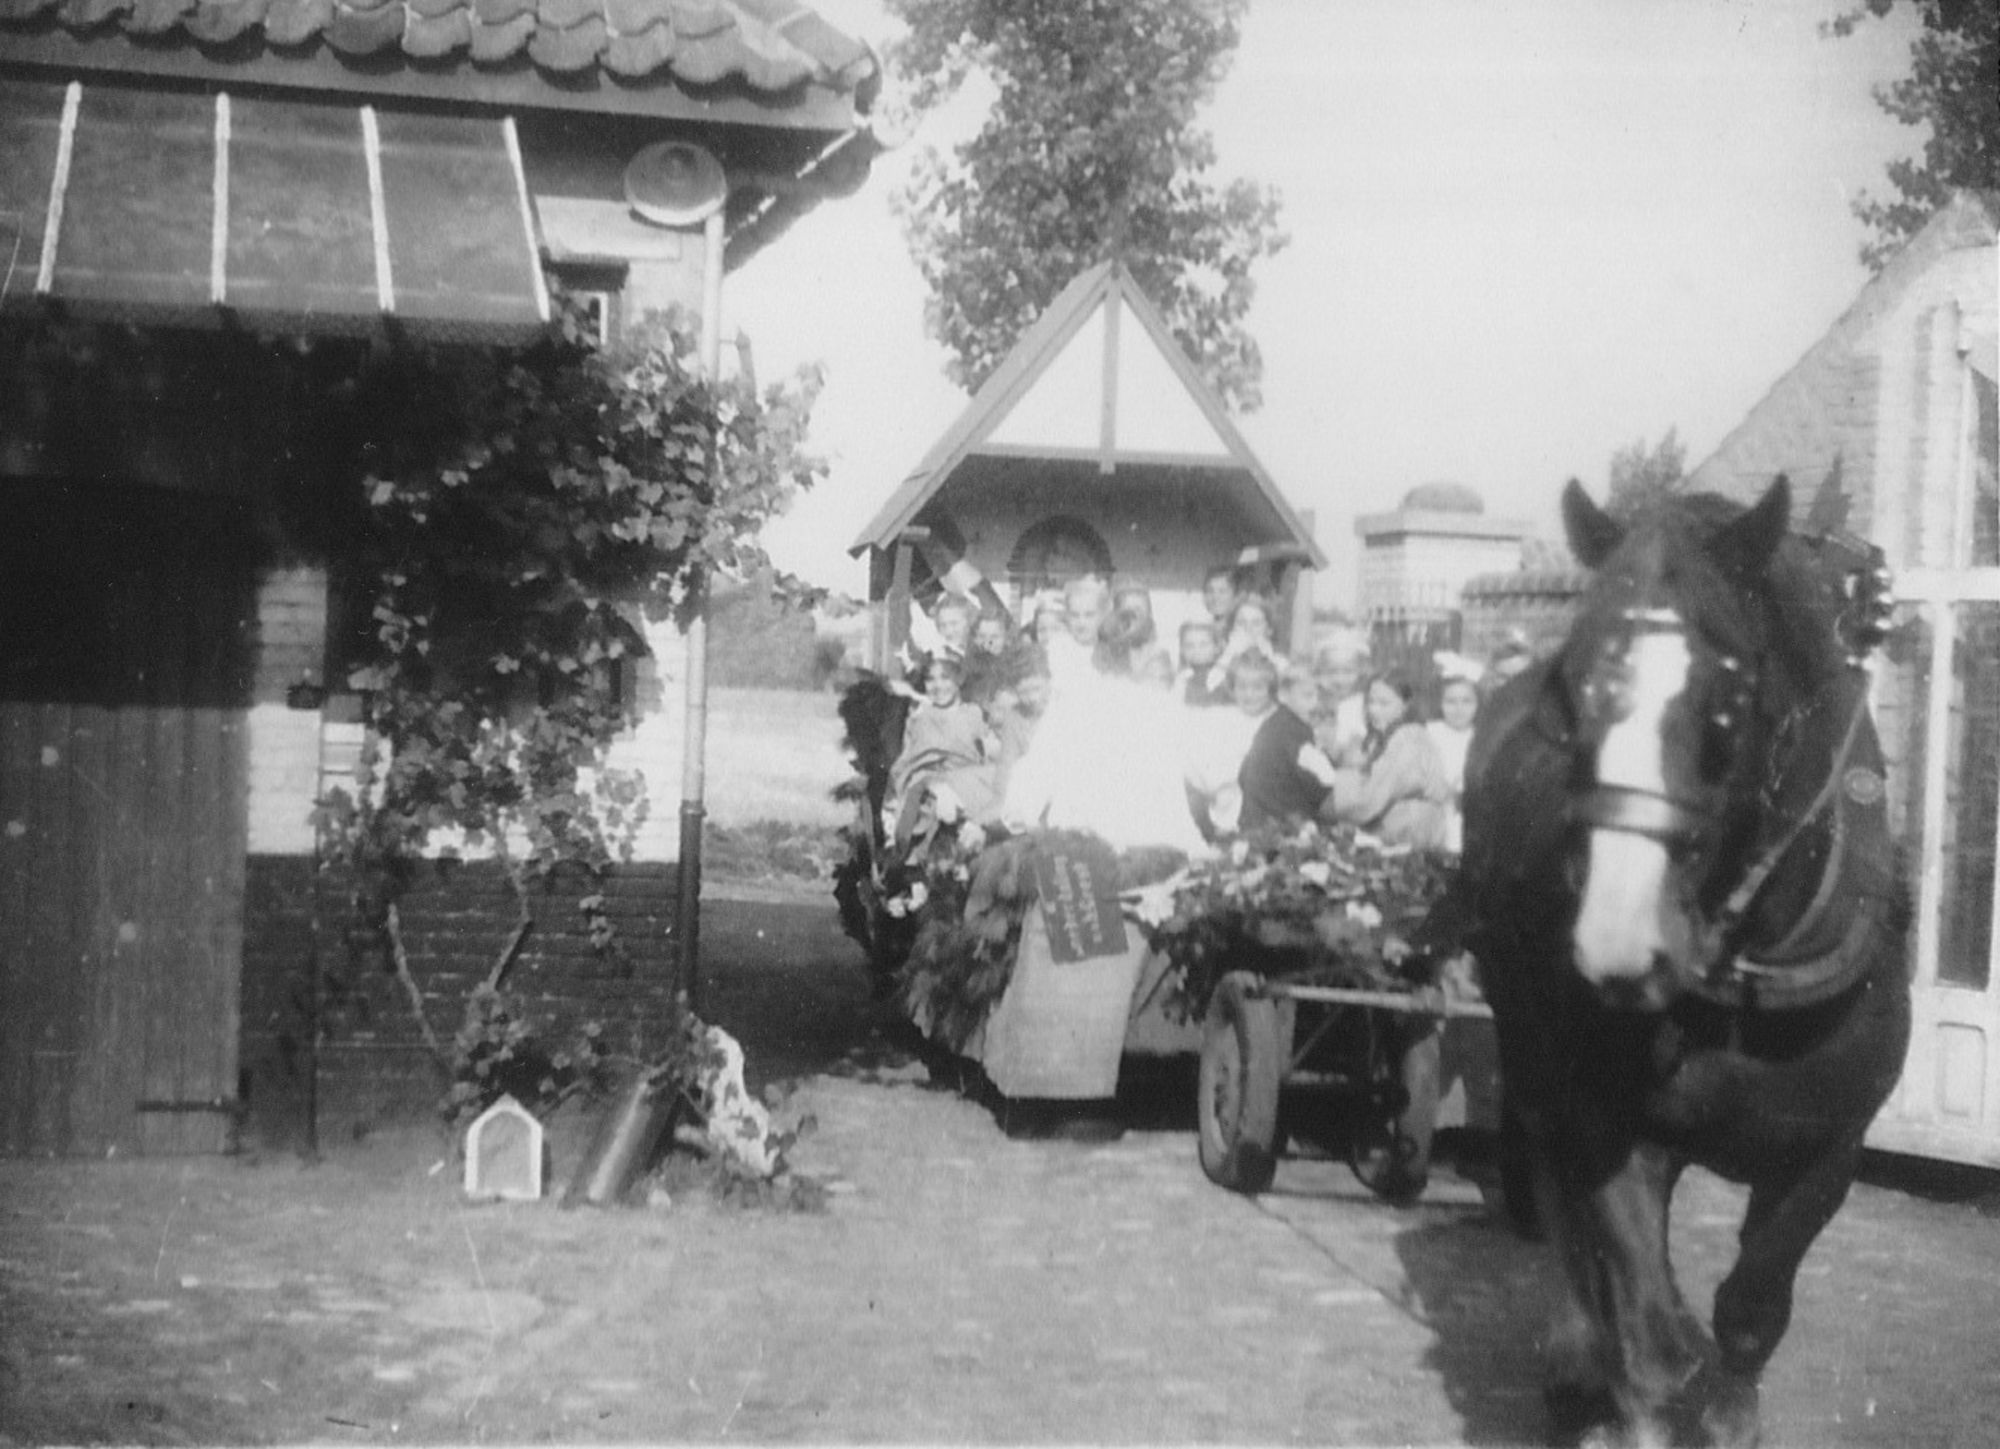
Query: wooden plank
217	818
78	734
133	606
170	908
20	827
203	1070
54	961
128	1015
232	800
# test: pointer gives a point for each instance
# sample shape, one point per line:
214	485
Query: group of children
1256	739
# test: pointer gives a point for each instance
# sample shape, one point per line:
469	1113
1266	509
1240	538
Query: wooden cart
1284	1051
1285	1055
1062	1029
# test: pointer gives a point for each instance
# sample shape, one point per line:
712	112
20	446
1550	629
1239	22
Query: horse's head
1661	676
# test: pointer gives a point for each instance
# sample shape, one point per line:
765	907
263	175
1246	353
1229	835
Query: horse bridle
1674	821
1733	975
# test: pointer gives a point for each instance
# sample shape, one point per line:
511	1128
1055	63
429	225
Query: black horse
1681	889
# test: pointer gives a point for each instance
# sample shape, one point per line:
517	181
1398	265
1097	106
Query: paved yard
958	1286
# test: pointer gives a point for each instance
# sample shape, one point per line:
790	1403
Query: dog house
1095	447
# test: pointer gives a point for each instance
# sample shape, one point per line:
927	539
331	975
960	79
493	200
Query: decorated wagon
1292	963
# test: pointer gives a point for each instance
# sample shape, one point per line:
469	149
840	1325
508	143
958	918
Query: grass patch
775	755
777	850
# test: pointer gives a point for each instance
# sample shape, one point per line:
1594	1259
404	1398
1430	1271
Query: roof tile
501	40
702	59
568	50
293	22
629	17
85	14
427	37
697	19
641	54
770	45
156	17
355	31
215	22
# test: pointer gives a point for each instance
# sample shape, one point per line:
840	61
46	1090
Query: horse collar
1798	969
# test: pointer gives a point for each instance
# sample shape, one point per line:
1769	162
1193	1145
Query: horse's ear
1593	533
1747	542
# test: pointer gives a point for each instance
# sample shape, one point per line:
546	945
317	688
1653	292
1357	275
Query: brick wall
1538	603
373	1064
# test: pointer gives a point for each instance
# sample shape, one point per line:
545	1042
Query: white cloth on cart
1109	756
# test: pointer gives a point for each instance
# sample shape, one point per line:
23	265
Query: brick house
1416	561
1895	408
175	179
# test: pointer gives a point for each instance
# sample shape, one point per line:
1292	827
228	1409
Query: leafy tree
1089	151
1953	88
1642	477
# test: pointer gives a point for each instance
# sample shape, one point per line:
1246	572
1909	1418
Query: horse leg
1753	1306
1648	1347
1576	1358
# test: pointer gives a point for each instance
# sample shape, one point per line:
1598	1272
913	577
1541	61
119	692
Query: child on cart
949	761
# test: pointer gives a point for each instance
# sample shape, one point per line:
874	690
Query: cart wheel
1244	1049
1391	1150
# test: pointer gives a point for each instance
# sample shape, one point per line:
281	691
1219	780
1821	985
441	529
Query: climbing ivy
519	513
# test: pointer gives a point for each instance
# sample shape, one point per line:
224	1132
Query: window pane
30	126
1972	798
139	215
301	228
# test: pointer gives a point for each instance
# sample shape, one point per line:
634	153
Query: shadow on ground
1472	1277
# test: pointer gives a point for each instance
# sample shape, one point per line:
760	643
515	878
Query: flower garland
967	897
1331	902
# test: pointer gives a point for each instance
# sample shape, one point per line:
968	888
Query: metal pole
687	911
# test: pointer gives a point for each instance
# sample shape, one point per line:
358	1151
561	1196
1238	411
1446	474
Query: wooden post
897	630
687	908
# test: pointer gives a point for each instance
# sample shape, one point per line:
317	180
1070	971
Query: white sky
1525	233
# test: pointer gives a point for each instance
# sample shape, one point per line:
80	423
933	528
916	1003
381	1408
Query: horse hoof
1730	1419
1581	1414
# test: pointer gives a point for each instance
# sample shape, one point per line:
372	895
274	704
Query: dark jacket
1276	791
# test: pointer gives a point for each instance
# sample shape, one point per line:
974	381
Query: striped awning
177	206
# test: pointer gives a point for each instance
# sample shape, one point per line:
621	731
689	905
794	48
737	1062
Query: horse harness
1828	947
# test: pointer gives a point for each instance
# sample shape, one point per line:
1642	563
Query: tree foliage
1642	477
518	514
1089	151
1954	89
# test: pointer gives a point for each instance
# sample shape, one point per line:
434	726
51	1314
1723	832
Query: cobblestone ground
960	1286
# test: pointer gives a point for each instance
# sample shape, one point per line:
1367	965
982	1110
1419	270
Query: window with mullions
1941	693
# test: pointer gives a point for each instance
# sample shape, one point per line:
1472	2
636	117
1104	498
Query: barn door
125	618
1942	689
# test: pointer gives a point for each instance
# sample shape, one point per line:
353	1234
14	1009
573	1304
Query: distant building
1416	560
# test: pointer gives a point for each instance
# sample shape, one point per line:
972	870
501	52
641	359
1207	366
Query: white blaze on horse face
1621	926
